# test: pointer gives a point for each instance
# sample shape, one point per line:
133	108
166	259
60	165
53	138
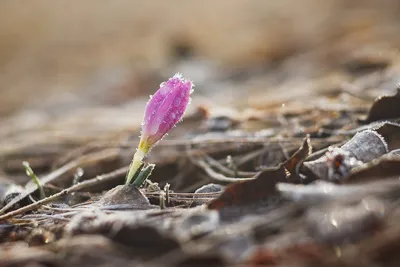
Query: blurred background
61	55
75	75
91	64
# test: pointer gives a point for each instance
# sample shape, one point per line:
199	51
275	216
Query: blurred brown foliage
53	47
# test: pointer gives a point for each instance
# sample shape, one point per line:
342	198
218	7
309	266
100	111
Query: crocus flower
163	111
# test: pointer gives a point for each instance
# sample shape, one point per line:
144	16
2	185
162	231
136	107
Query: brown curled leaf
384	108
293	164
390	131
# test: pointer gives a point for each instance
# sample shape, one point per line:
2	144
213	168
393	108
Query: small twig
225	170
85	184
171	194
177	199
31	198
218	176
31	187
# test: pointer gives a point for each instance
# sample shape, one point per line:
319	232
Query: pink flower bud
164	110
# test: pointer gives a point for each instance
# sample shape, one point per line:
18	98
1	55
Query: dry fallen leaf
384	108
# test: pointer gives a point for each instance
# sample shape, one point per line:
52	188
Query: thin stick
218	176
88	183
31	187
225	170
172	194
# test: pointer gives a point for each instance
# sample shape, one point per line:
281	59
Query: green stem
135	165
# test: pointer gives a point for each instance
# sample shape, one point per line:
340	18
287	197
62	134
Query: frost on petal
166	108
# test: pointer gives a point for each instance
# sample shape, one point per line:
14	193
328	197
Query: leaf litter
267	187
